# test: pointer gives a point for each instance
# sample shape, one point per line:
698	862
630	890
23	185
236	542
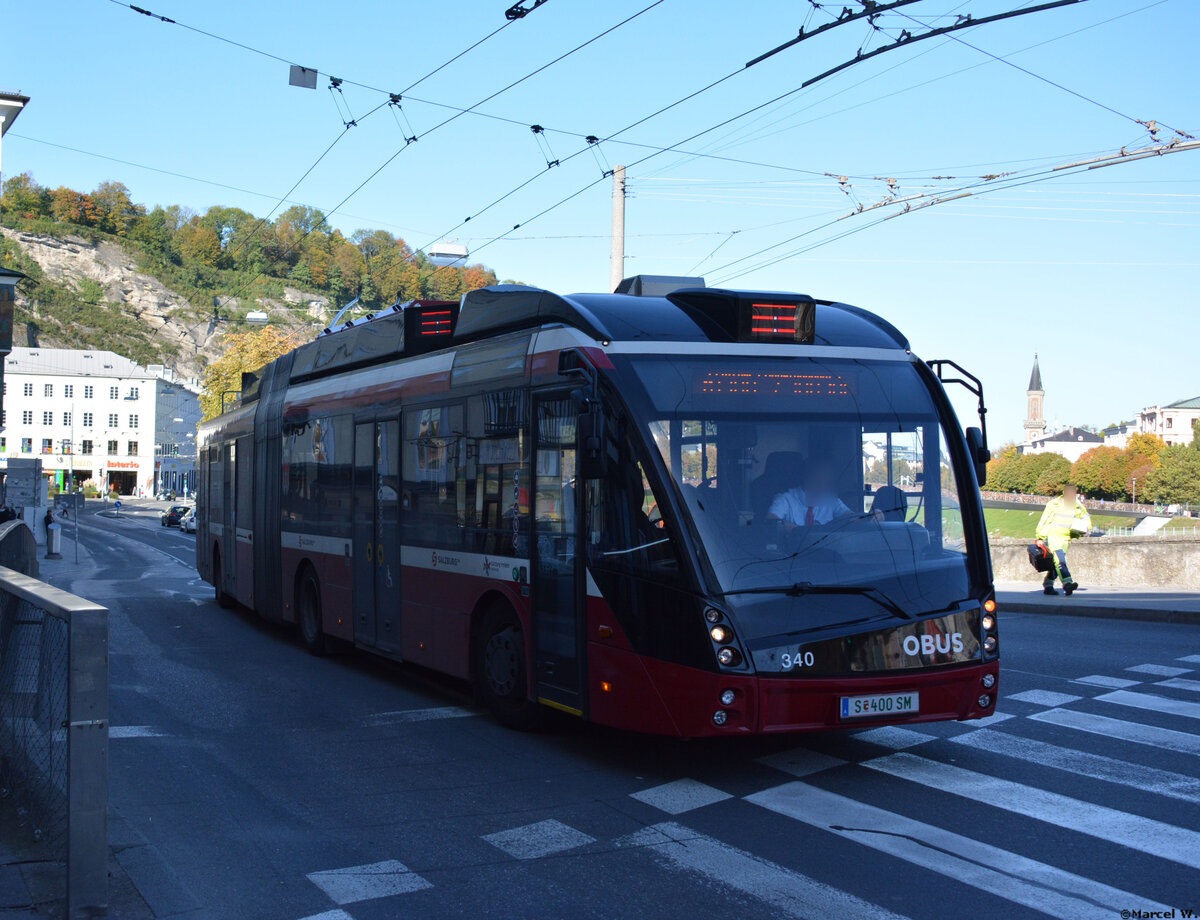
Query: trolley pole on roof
617	260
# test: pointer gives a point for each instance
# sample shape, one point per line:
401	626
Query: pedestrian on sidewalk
1063	519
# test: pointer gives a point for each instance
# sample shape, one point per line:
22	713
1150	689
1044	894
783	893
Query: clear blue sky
1096	271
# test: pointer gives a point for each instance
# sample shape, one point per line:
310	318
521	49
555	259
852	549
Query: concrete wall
1123	562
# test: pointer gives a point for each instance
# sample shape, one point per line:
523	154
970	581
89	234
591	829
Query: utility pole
617	260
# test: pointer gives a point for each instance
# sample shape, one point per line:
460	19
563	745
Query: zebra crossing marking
979	865
790	893
1101	680
1159	670
1135	732
1156	838
1044	697
1162	704
895	737
1081	763
534	841
681	795
1180	683
365	883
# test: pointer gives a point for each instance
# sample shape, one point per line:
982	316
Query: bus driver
814	501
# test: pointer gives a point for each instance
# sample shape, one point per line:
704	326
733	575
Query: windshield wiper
802	588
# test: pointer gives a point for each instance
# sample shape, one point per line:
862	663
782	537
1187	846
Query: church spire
1035	379
1035	420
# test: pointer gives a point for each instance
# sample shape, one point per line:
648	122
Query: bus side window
626	527
433	462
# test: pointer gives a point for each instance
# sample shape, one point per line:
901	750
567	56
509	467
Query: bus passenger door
558	611
377	534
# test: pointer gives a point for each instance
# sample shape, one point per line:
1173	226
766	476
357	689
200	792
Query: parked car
188	522
172	516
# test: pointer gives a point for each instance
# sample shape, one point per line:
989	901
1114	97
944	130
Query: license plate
881	704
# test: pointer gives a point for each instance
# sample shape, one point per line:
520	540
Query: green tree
201	244
1195	445
1176	480
114	211
23	197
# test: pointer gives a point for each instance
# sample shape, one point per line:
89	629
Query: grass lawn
1017	522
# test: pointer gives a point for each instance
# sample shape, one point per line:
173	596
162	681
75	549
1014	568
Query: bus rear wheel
308	613
224	601
501	670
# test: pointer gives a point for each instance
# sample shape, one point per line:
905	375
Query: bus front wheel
501	671
224	601
308	613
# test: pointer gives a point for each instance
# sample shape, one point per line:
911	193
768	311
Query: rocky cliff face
165	314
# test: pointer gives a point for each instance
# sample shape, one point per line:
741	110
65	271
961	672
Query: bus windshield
829	479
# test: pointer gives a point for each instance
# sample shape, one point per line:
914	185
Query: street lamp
1134	490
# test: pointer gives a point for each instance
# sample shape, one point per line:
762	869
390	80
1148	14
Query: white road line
790	893
420	715
800	762
1081	763
1161	670
681	795
134	731
364	883
1043	697
1113	683
1135	732
1180	683
1165	841
1161	704
533	841
1191	659
338	914
976	864
895	737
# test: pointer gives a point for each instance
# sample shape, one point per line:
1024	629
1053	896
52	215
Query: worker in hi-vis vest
1063	519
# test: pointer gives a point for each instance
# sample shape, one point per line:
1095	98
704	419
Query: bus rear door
377	534
558	598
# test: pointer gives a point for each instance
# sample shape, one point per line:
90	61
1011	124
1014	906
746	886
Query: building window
3	445
69	390
47	418
132	452
29	389
87	392
48	390
66	418
112	448
112	420
1170	421
133	421
87	420
27	417
3	417
114	392
133	393
27	445
86	448
47	446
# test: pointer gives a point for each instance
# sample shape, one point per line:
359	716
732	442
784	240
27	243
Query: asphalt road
250	780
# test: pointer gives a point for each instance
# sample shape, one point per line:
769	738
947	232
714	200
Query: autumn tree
1145	447
1103	472
243	352
23	197
113	209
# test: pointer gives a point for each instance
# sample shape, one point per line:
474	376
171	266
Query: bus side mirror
593	457
980	455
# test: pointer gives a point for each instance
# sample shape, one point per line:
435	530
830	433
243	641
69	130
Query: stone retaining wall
1122	562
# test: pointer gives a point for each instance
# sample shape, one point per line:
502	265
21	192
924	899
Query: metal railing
54	732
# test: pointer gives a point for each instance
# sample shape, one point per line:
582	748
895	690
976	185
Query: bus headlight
712	614
727	697
988	622
985	701
989	681
720	634
729	656
989	644
720	717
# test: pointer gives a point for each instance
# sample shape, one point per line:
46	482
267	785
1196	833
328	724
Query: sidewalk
1161	605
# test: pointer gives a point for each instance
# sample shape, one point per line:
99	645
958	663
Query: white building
1071	443
1172	423
97	415
1118	435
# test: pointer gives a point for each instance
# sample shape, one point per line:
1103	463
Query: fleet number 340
799	659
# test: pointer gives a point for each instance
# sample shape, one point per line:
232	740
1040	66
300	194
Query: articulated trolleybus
673	509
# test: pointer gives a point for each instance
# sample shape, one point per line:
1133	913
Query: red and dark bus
582	502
